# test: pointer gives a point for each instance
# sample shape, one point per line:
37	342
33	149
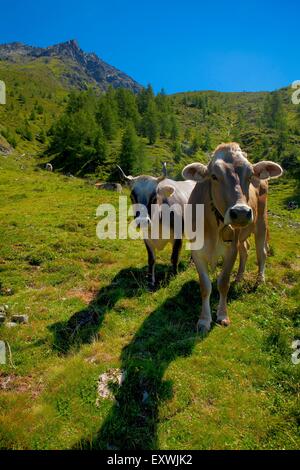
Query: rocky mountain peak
82	67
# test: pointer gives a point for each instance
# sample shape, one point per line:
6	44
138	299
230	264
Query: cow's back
183	190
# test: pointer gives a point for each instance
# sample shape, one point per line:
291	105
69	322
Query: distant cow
146	190
49	167
234	194
110	186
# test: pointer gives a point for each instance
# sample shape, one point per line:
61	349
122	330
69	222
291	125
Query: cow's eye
214	177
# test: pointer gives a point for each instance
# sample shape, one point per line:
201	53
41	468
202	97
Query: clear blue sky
179	45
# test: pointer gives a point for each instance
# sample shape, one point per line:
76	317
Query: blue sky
177	45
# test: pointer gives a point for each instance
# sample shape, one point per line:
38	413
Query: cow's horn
160	178
128	178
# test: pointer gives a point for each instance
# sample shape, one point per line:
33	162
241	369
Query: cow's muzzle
239	215
142	222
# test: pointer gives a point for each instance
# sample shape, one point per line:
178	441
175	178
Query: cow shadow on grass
83	326
167	333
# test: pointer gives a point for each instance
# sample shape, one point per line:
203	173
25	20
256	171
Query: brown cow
234	194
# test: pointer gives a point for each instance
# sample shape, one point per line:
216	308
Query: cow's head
230	175
143	194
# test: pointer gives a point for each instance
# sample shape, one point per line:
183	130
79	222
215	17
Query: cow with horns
151	192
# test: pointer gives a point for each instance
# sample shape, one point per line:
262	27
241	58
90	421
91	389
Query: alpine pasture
90	313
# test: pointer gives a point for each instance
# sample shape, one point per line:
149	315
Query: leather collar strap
219	216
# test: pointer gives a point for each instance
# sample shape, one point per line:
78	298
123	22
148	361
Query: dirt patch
295	266
85	295
208	407
21	384
5	147
100	358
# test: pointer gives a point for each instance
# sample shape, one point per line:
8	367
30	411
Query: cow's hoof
202	328
260	279
150	287
223	321
239	278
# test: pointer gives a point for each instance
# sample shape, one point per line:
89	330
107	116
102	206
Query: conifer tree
174	132
151	123
130	149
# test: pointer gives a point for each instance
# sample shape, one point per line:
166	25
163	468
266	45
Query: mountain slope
38	81
77	68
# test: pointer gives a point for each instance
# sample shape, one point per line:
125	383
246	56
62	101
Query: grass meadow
90	313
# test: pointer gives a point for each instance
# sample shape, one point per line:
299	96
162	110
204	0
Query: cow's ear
265	170
165	191
195	172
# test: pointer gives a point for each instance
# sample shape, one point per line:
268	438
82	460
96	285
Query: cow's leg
175	254
267	240
205	319
223	284
151	265
261	249
243	252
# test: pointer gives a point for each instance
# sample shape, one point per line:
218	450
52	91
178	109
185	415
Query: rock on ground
11	324
107	381
20	318
110	186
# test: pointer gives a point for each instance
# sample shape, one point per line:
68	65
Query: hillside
70	64
90	314
183	127
38	81
178	129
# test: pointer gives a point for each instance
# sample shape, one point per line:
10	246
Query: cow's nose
233	214
143	221
240	214
249	214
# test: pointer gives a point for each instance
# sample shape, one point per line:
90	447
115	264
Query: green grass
235	389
